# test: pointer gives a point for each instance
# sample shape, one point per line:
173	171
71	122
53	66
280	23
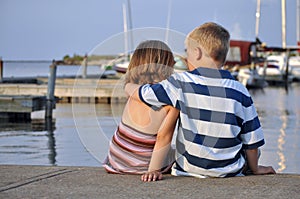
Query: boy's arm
252	159
154	95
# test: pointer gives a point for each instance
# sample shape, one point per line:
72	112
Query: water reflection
281	142
24	140
50	127
279	113
284	114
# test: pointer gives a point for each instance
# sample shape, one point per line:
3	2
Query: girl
141	143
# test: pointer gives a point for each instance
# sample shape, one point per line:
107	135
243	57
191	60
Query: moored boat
121	67
274	70
250	78
294	62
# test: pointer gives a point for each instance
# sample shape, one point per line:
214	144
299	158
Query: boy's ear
198	52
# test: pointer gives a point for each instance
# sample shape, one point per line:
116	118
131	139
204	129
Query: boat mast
298	22
257	18
130	25
168	21
125	32
283	23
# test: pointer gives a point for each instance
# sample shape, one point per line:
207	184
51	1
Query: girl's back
142	118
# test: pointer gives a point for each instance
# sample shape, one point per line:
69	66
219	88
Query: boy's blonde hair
151	62
213	38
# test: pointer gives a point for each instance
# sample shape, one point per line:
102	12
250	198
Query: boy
218	124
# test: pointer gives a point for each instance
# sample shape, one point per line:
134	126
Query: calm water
279	112
81	132
41	69
31	144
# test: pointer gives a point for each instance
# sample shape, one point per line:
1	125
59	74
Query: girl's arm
162	146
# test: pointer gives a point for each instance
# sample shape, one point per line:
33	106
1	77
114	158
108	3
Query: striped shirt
217	121
129	151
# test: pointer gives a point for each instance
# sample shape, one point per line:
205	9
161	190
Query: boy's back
217	121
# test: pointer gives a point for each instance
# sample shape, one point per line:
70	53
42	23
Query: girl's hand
151	176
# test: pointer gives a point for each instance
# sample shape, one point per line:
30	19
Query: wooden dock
71	90
18	100
15	108
21	96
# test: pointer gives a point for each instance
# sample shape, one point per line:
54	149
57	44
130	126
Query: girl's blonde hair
151	62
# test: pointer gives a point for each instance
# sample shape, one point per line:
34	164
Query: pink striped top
130	151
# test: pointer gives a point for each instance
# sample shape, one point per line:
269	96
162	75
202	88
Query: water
31	144
14	69
279	113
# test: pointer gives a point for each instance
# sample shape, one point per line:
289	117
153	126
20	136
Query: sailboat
250	78
121	66
243	54
121	63
294	62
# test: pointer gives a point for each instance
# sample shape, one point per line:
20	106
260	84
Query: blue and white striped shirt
217	121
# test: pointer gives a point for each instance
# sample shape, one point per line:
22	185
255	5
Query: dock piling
50	99
84	71
1	70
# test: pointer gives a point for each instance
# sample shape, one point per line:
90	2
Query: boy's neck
205	63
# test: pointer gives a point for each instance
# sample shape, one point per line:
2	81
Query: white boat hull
251	79
121	67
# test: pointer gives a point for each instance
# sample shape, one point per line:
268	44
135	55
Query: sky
51	29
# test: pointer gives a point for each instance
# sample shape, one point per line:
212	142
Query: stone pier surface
92	182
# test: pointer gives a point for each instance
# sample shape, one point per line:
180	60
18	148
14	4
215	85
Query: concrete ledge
90	182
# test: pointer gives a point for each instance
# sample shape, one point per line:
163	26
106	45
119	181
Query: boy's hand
264	170
151	176
252	160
